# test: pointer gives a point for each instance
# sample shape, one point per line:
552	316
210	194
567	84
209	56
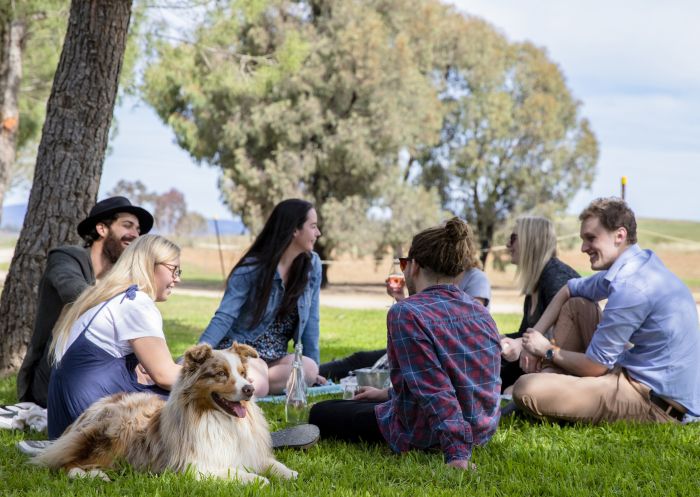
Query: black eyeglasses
403	262
177	272
513	238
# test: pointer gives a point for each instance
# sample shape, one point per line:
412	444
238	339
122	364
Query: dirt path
505	298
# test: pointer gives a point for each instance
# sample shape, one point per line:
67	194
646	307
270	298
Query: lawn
523	459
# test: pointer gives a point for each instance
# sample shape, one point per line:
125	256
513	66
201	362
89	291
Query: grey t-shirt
475	284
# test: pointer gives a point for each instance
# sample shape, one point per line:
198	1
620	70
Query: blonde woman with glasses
533	249
110	329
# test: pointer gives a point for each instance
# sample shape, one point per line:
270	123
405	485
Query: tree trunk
12	39
322	252
69	161
485	231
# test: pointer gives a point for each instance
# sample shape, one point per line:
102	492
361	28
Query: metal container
377	378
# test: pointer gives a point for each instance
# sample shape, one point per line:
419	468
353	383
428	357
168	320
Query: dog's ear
244	351
195	356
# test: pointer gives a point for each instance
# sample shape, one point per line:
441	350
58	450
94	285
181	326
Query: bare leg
279	372
257	374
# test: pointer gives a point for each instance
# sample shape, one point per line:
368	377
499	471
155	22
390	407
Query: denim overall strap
129	293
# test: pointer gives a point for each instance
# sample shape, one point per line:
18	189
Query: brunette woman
272	297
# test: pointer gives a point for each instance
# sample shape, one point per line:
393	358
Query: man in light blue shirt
643	360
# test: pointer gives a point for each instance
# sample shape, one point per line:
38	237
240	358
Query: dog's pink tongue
239	409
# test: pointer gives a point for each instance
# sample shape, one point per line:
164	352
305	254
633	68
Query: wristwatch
549	355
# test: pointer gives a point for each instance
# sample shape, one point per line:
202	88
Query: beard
112	248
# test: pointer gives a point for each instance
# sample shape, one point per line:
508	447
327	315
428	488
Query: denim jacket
235	313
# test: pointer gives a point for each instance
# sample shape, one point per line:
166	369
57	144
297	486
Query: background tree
512	138
70	158
192	223
403	210
169	208
314	99
135	191
31	33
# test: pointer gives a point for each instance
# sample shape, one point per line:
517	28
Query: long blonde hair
537	244
136	266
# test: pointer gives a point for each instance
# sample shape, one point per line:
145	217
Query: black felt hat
106	208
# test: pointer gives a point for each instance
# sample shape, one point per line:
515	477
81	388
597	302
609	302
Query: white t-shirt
118	322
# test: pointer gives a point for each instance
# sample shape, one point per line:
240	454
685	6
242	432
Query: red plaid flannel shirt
445	359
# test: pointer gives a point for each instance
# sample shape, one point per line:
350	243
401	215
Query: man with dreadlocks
444	358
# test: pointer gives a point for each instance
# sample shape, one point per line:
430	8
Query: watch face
549	355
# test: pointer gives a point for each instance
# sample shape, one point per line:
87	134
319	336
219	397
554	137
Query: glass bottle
296	405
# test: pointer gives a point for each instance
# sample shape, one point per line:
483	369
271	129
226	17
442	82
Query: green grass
522	459
8	240
687	230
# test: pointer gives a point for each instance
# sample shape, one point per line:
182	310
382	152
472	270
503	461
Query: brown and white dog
209	424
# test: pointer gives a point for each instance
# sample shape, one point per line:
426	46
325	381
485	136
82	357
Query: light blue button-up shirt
649	307
235	313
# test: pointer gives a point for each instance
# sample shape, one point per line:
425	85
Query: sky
631	63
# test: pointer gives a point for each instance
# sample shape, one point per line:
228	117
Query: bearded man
113	223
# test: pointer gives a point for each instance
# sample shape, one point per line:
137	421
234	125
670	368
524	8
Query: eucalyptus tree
513	137
315	99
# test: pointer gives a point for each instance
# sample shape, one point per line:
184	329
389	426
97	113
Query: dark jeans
510	372
340	368
334	370
349	420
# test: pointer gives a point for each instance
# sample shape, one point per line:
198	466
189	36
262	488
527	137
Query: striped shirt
445	358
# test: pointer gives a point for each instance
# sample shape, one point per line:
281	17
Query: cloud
633	66
636	45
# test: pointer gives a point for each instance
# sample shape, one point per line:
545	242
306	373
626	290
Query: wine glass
395	280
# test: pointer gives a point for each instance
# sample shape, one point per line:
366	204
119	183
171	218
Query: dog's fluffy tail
65	452
84	444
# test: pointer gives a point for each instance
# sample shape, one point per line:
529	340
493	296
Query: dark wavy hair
92	236
266	252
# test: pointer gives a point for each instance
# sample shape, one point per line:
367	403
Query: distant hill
13	217
226	227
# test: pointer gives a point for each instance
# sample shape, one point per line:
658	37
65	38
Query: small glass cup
349	385
349	391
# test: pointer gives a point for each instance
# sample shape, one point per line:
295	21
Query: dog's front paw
258	479
279	469
74	473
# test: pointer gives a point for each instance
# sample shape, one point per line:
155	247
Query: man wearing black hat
112	224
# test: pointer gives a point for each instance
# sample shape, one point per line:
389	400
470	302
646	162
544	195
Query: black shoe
296	437
509	409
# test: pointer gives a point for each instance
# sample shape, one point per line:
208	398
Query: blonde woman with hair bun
113	326
540	274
